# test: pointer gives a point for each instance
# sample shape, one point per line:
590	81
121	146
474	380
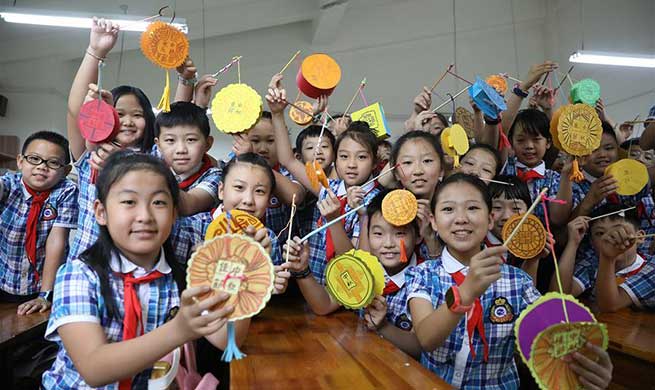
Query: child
422	118
632	149
530	138
467	279
355	159
37	210
481	161
632	276
100	296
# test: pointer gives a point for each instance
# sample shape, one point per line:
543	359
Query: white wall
397	45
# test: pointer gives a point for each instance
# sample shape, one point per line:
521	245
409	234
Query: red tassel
403	251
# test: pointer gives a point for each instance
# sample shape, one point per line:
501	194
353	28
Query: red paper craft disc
98	121
318	75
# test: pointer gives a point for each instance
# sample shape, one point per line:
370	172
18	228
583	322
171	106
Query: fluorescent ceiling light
58	19
585	57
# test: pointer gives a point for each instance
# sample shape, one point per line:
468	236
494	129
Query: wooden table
15	328
632	348
288	347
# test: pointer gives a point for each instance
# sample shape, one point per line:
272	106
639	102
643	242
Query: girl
482	161
467	279
356	152
111	302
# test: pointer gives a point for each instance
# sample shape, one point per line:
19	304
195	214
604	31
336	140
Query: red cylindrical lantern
318	75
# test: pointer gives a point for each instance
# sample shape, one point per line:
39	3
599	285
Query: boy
37	211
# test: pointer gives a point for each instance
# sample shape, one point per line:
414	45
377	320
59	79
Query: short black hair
491	150
430	138
375	206
267	115
313	131
384	142
250	158
533	122
629	215
631	143
183	114
460	177
514	189
52	137
609	130
360	132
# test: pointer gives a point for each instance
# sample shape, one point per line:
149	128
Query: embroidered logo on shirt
403	322
49	213
501	312
273	203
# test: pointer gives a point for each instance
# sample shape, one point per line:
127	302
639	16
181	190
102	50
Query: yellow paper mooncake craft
579	131
631	176
236	108
399	207
455	142
354	278
238	222
529	241
465	118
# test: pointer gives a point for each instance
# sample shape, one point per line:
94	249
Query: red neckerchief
503	141
206	164
475	321
38	200
133	311
527	175
622	278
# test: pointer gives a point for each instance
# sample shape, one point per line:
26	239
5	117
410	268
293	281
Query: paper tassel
231	352
403	251
456	163
165	101
576	175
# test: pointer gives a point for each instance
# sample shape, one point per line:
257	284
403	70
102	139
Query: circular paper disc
551	345
239	221
98	121
316	174
300	117
631	176
350	281
164	45
399	207
585	91
579	130
554	122
235	264
321	71
529	241
498	82
459	139
236	108
465	118
374	266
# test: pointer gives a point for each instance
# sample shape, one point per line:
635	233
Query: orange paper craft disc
300	117
164	45
579	130
498	82
318	75
235	264
529	241
557	341
465	118
239	221
316	175
399	207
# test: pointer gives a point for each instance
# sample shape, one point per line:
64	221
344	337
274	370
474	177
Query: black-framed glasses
36	161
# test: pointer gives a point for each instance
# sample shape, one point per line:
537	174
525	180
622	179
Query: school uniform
458	361
321	247
536	179
21	265
395	293
77	298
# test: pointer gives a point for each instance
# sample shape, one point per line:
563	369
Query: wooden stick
448	101
612	213
459	77
450	67
644	236
375	178
293	212
512	78
327	225
497	181
566	76
525	216
361	85
297	107
289	63
226	67
646	121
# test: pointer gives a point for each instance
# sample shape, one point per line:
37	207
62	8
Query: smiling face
419	169
462	219
384	241
503	209
262	138
247	187
354	162
324	154
478	162
139	214
529	149
183	147
601	158
133	122
41	177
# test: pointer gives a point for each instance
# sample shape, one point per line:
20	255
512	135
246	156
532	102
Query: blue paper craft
487	98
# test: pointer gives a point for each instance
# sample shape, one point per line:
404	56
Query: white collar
639	261
218	211
451	264
182	177
540	169
588	177
26	193
121	264
341	191
493	240
399	278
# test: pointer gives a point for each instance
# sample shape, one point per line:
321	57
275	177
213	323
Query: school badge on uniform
501	312
49	212
274	203
403	322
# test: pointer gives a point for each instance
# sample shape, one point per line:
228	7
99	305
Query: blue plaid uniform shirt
551	180
59	210
641	286
278	213
317	242
77	298
503	301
